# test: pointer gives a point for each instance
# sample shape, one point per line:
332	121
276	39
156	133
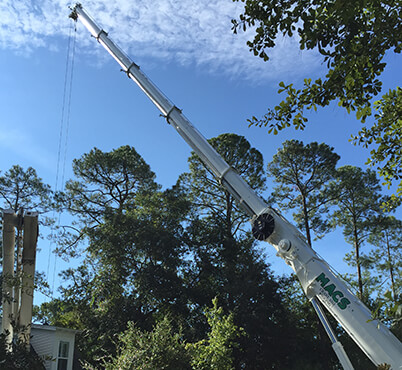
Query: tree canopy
386	257
225	260
356	194
152	260
353	39
207	194
385	138
132	237
301	172
21	188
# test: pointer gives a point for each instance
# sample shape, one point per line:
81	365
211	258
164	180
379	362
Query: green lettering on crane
336	295
322	279
330	289
343	303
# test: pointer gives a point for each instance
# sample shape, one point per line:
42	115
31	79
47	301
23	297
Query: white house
54	344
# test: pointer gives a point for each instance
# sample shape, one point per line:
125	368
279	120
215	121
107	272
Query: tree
386	236
209	196
301	172
24	190
106	182
133	254
160	348
225	260
164	348
216	352
353	39
356	194
153	256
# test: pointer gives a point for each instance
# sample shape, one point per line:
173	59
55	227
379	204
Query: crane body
319	281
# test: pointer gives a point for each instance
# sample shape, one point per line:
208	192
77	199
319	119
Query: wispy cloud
188	32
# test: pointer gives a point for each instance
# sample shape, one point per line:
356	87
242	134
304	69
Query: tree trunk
228	215
18	272
391	270
306	223
357	251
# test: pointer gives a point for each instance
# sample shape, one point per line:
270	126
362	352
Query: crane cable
64	129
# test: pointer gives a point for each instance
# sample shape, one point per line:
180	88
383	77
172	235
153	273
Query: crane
322	286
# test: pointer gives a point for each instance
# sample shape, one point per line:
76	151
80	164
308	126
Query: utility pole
18	311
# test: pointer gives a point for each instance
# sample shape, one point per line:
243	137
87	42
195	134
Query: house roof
53	328
50	328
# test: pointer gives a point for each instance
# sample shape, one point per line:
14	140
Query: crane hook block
263	226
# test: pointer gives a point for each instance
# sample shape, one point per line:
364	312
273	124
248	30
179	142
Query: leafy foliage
106	182
216	352
226	263
156	259
352	38
385	136
134	251
24	190
146	258
160	348
17	357
164	348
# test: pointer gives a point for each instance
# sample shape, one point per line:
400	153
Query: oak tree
352	38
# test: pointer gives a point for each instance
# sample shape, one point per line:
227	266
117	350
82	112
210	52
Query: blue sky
188	49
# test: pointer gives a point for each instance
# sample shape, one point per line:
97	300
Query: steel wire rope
64	121
67	127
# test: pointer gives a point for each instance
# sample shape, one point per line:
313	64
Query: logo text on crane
336	295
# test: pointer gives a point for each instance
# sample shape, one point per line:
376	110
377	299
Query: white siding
43	342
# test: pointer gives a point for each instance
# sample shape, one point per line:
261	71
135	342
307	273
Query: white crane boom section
315	275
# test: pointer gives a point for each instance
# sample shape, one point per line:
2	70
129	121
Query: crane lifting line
64	128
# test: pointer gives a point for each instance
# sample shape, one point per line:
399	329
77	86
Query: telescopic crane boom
318	280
